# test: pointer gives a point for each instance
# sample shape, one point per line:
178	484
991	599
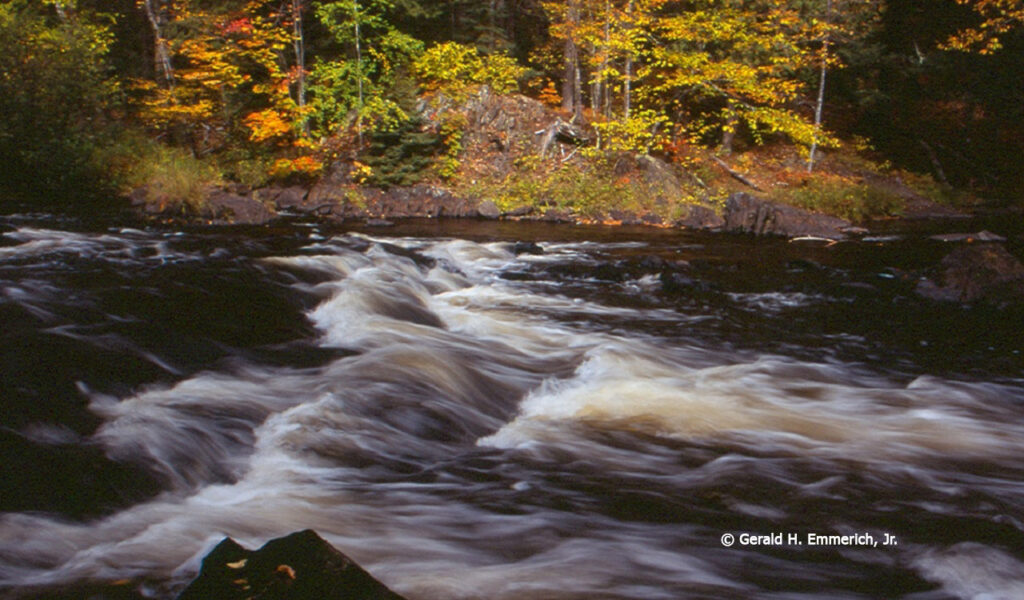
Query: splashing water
464	435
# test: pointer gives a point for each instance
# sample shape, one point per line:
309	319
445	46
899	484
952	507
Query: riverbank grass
173	177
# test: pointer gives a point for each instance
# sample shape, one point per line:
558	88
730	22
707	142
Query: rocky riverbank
980	270
335	201
520	159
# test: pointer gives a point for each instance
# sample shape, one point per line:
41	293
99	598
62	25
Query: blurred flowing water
470	423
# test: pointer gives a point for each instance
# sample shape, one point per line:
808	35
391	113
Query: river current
615	414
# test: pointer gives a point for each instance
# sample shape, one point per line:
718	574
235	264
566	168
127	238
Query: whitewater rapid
474	436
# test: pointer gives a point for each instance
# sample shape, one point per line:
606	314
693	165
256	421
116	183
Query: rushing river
588	422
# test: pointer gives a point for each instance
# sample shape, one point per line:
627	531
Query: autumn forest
103	96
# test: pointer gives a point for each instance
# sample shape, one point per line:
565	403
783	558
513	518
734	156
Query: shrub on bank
850	200
173	177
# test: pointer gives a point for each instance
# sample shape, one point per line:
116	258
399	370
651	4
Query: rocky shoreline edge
980	270
335	200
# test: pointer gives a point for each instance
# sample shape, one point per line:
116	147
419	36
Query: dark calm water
468	423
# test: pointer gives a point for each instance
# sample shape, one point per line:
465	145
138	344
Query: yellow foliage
453	68
999	17
361	173
748	55
227	73
302	165
641	132
266	125
549	95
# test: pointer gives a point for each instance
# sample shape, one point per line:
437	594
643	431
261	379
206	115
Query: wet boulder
748	214
527	248
419	258
976	273
675	282
299	566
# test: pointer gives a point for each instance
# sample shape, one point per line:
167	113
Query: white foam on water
121	247
775	302
972	571
451	361
802	406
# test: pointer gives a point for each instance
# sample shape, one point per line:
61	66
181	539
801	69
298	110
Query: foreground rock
976	273
748	214
300	566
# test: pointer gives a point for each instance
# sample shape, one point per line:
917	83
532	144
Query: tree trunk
599	102
162	57
732	122
628	82
359	78
572	93
821	91
59	7
299	43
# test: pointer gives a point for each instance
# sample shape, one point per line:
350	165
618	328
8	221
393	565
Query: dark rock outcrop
624	217
748	214
225	207
219	205
557	215
284	198
701	217
300	566
488	210
976	273
344	200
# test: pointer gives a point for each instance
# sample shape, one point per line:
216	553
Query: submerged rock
976	272
748	214
981	236
300	566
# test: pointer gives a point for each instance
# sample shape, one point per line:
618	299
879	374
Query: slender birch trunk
821	90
